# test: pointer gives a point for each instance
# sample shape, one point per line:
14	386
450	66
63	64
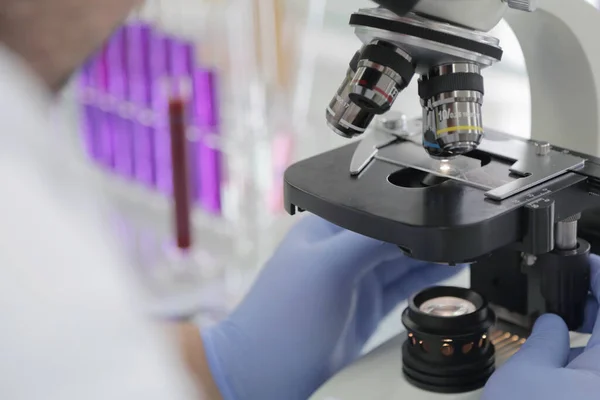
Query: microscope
446	189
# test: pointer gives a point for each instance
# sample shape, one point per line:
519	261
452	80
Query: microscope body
441	45
480	15
446	190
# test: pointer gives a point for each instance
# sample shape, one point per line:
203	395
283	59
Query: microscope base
378	376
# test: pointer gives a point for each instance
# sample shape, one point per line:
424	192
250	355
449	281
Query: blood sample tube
208	155
181	56
140	98
120	121
180	168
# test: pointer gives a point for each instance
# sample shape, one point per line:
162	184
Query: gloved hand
310	312
546	367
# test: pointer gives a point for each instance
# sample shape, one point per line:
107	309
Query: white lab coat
71	325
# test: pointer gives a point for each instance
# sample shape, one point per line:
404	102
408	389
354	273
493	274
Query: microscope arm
559	43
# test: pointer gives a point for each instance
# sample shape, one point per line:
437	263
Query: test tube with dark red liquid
181	172
182	65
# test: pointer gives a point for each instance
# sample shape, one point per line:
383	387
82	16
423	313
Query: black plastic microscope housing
446	221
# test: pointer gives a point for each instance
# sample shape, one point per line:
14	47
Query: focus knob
523	5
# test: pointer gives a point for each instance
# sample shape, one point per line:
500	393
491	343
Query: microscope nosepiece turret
451	96
447	57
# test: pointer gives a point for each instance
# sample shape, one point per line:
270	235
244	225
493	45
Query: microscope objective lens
375	77
452	97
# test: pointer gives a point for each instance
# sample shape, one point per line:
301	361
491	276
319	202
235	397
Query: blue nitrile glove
546	367
310	312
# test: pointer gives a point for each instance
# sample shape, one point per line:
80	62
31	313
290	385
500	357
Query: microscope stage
482	203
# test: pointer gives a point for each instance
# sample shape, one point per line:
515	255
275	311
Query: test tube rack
124	92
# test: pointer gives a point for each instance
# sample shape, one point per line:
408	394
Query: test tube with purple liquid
159	73
139	35
105	141
208	155
88	109
119	119
126	122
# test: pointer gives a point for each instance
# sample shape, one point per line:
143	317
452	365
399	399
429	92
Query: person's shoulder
25	105
22	83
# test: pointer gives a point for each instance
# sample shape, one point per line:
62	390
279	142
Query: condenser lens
448	307
442	352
